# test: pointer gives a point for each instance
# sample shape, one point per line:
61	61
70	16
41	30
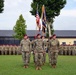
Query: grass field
12	65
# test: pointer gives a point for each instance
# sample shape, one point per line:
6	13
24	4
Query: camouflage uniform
38	53
6	49
25	48
10	50
3	50
70	49
0	49
73	50
44	48
33	48
53	48
61	50
65	50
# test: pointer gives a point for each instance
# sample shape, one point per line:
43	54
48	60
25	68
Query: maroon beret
38	34
54	35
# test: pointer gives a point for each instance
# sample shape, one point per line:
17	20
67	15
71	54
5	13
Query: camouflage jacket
25	45
38	43
54	45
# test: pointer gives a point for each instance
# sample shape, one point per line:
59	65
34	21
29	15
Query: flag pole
36	23
43	17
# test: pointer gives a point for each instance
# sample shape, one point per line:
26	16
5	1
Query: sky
13	8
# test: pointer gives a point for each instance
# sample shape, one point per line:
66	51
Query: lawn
12	65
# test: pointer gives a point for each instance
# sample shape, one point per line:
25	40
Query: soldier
0	49
25	48
33	47
45	48
70	49
60	50
6	49
3	50
53	47
49	48
10	49
73	50
14	49
65	50
38	52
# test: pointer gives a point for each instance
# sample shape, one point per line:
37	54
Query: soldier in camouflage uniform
38	52
49	48
6	49
3	50
25	48
61	50
53	47
10	49
70	49
65	50
33	47
73	50
0	49
44	48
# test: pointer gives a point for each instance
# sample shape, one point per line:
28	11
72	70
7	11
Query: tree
1	5
20	28
52	7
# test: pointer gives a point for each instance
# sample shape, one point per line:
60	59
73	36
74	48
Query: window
63	43
75	42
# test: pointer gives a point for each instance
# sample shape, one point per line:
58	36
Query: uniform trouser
49	55
26	58
14	52
61	52
65	52
6	52
44	57
69	52
38	59
2	52
73	52
53	58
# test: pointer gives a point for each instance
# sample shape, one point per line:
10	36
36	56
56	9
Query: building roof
59	33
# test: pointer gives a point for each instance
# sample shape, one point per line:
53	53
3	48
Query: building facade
65	37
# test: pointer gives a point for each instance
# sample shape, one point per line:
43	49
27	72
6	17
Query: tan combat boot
53	66
37	68
26	66
40	68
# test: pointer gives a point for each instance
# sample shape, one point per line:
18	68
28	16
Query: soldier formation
39	47
9	50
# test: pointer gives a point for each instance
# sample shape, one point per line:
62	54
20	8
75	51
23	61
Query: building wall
67	40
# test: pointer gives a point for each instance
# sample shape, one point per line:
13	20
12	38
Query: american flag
38	20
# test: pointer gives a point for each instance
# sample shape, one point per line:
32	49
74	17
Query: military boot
53	66
26	66
37	68
40	68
